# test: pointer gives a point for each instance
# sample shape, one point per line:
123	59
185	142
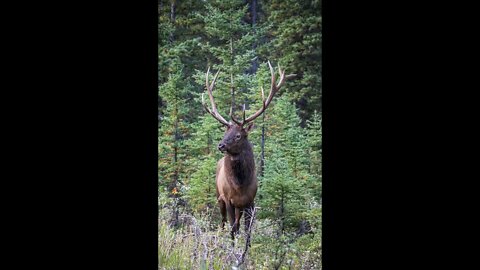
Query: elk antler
213	111
273	90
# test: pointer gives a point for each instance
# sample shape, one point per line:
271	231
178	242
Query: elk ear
250	127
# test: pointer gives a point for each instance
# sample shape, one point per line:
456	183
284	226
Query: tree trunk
262	160
175	153
175	157
232	87
282	213
253	10
232	92
175	175
172	17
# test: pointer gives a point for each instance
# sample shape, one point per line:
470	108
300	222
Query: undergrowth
198	242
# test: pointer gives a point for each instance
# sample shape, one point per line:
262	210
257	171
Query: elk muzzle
221	147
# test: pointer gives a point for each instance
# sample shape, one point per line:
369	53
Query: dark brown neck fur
241	166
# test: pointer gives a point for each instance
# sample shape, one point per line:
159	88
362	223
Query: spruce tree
296	34
227	46
283	185
172	129
314	142
177	46
200	173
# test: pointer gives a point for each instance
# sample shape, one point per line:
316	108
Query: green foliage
229	47
283	186
314	142
297	26
200	173
172	128
192	36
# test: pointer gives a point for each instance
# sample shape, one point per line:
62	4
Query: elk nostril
221	146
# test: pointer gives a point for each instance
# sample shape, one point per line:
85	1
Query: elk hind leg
236	224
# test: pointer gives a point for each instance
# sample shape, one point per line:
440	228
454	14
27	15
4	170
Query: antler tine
235	119
273	76
274	88
214	79
243	113
282	79
263	97
205	105
231	114
208	109
210	87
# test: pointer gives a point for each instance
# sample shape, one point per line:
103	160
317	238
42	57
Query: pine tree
228	46
172	129
296	36
284	196
314	142
283	186
200	174
177	46
179	35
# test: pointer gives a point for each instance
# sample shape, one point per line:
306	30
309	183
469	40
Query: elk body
236	182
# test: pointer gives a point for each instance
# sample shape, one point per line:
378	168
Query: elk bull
236	182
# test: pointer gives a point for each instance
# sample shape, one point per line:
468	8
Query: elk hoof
235	228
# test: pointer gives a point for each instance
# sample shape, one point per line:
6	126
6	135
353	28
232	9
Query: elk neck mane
241	166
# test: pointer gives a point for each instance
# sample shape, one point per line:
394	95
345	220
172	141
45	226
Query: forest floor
199	244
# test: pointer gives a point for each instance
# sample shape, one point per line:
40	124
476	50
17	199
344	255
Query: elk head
237	130
235	138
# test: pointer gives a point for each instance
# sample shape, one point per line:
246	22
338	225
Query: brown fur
235	178
236	181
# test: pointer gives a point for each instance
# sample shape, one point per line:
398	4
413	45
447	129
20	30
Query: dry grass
197	244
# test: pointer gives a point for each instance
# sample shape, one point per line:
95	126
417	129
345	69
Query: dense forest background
239	37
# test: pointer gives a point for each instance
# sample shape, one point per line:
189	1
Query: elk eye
238	136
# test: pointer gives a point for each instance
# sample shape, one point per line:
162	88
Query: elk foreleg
231	214
223	210
236	224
